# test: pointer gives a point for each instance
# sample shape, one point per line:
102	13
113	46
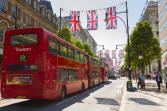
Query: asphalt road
105	97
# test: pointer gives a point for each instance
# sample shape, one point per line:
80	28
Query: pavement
148	99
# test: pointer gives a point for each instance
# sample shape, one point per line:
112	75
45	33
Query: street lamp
141	63
128	41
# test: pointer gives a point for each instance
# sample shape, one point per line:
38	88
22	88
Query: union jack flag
74	21
121	53
100	54
111	21
107	56
113	54
92	20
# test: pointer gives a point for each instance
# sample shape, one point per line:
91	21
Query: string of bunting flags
92	19
112	57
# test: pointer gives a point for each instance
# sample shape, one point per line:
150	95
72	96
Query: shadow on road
107	101
56	105
143	101
148	93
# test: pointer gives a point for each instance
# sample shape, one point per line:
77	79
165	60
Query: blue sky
108	38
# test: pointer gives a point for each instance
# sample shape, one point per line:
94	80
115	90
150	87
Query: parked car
112	76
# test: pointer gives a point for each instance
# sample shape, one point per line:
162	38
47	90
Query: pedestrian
158	79
142	79
165	80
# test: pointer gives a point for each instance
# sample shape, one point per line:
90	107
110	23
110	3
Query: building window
35	4
14	10
2	5
42	11
1	35
49	15
28	1
26	19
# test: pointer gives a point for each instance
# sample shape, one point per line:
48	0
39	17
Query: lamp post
127	33
141	62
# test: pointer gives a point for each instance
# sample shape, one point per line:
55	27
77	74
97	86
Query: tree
79	44
144	47
65	34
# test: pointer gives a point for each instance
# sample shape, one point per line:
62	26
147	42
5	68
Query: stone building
150	14
25	13
162	6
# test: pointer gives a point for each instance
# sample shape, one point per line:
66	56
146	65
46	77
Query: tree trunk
149	67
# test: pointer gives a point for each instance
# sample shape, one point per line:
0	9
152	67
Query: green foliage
65	34
79	44
142	43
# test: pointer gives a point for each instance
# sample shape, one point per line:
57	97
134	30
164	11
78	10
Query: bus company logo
22	49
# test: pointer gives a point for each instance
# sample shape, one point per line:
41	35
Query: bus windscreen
23	39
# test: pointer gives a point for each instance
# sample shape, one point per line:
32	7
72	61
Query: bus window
72	75
63	50
63	75
92	74
23	39
82	58
71	53
77	55
53	46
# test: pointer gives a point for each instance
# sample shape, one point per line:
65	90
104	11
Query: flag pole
60	18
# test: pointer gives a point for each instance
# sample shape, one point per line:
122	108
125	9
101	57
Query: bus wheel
63	93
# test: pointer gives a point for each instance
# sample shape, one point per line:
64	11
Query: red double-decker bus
39	65
104	72
94	72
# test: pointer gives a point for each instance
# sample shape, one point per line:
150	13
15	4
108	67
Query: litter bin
129	85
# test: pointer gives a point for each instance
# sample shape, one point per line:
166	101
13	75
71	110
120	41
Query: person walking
165	80
142	79
158	79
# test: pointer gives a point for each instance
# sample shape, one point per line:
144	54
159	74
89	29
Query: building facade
150	14
25	13
162	11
